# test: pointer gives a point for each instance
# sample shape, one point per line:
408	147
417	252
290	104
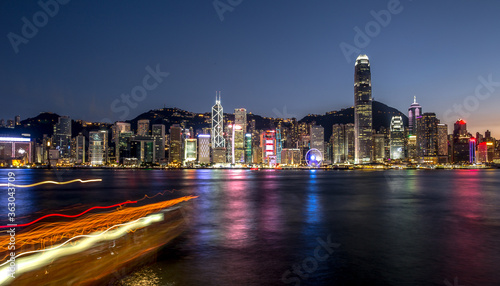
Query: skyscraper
397	138
414	112
204	148
175	144
248	148
379	147
338	143
412	148
98	147
158	132
427	138
240	120
268	145
143	127
317	139
349	142
117	129
460	144
443	143
217	124
62	136
80	149
362	110
123	146
190	150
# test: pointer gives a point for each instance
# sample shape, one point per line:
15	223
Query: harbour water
302	227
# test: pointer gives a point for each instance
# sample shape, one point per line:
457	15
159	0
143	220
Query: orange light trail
68	216
48	234
51	182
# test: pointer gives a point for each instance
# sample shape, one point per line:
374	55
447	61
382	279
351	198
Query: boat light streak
69	216
46	256
52	182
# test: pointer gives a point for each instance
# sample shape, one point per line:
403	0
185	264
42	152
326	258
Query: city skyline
218	103
235	142
315	68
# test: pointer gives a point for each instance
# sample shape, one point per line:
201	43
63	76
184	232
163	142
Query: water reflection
239	221
248	227
313	211
466	247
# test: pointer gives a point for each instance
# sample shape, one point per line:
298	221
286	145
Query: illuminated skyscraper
158	132
472	150
123	147
142	149
427	138
240	120
338	143
412	147
279	145
485	152
62	136
268	146
349	142
175	144
248	148
204	148
98	147
443	143
143	127
217	124
362	110
397	138
80	149
317	139
414	111
190	150
460	144
290	156
117	129
378	147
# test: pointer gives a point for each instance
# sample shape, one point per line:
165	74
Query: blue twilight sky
270	57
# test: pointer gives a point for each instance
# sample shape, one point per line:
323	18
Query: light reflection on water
414	227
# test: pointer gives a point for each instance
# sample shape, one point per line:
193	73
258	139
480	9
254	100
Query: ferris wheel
314	158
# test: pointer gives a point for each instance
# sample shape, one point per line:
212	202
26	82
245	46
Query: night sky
274	58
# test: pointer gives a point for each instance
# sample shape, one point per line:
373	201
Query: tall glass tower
362	111
62	136
397	138
217	124
240	121
414	112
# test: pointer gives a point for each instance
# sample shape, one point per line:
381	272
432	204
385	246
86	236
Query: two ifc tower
362	113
